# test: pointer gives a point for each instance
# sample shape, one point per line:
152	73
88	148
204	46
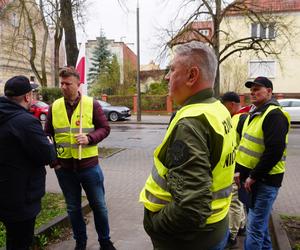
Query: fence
150	104
162	103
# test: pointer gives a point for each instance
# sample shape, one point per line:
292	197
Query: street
134	136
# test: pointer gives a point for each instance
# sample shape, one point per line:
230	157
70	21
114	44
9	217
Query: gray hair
203	56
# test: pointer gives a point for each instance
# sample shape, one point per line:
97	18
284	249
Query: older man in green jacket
188	192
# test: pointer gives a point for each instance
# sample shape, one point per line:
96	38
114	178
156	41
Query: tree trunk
57	41
217	83
70	32
216	45
44	48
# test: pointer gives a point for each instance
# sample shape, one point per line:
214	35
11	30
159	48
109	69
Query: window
285	103
262	68
204	32
14	20
295	104
263	30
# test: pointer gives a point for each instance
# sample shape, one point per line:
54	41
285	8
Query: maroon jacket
101	131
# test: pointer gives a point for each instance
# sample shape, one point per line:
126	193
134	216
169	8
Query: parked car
39	109
114	113
292	106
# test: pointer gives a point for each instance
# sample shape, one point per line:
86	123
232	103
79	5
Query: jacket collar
263	108
201	96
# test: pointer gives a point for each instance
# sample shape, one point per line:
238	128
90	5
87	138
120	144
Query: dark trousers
19	235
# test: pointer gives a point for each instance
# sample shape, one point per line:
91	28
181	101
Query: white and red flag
80	64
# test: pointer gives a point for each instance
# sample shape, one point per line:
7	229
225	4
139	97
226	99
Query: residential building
17	45
149	66
280	30
127	59
150	73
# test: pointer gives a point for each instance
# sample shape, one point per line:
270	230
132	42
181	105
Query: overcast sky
119	23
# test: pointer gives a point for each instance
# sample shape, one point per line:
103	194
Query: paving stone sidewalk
125	174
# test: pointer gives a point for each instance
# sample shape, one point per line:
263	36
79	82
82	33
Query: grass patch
291	225
53	205
107	152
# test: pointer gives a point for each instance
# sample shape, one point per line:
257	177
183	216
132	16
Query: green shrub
154	102
158	88
50	94
121	100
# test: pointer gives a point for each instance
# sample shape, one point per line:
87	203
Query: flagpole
80	67
138	84
80	121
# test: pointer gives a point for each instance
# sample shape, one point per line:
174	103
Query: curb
61	221
281	240
140	122
161	123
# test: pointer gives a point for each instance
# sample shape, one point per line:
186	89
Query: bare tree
236	73
23	41
27	33
218	12
70	31
52	15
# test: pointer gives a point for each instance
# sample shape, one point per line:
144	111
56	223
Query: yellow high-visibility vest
155	195
235	121
252	144
64	131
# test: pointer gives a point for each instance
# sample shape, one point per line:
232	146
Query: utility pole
138	84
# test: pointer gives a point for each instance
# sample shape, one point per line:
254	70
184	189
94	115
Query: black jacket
24	152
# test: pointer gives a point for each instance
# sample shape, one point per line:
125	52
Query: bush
154	102
148	102
158	88
120	100
50	94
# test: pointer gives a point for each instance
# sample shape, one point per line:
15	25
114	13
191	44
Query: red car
39	109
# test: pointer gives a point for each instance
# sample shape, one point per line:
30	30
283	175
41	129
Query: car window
104	104
41	104
284	103
295	104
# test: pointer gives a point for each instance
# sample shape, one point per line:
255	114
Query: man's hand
248	184
82	139
50	139
57	167
237	179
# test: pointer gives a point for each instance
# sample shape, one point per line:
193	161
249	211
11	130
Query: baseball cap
261	80
230	97
18	85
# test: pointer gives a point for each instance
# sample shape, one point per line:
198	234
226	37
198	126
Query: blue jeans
222	244
258	236
91	180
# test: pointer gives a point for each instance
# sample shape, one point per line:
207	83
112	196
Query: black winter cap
18	85
261	80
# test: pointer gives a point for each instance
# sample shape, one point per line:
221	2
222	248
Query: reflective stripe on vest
155	195
64	131
252	144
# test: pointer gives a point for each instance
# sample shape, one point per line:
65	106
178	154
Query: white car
292	106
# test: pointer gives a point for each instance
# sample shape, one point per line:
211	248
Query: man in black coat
24	152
